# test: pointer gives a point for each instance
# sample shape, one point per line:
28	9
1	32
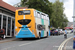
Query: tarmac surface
50	43
69	45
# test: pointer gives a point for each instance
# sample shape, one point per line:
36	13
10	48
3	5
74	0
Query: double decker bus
31	23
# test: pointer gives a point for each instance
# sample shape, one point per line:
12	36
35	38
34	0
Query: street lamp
74	25
74	18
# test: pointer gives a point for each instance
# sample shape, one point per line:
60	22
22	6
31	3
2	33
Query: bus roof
33	9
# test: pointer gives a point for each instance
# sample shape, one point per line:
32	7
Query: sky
68	5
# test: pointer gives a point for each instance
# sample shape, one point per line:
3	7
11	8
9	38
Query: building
7	18
70	24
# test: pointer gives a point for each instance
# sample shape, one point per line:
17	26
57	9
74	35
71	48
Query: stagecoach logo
24	30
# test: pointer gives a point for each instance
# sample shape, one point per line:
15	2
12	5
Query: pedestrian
74	42
65	34
2	33
71	31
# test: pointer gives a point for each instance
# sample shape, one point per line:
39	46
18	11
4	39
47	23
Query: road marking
22	44
25	44
63	43
7	48
30	42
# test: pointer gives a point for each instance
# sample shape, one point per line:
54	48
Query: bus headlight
15	27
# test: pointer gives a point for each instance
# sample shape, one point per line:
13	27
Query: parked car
68	31
54	32
60	31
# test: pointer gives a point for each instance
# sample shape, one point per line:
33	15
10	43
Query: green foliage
58	18
54	10
50	28
41	5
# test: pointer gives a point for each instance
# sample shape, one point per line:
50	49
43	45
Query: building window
4	22
13	25
9	26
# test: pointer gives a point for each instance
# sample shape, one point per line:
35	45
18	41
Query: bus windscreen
25	12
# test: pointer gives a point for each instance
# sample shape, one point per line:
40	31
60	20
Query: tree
57	17
54	10
41	5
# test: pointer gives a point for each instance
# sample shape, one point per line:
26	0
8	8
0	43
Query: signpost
74	25
74	19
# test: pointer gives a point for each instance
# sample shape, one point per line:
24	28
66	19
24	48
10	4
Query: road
51	43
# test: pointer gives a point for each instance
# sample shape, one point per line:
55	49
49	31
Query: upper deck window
38	14
25	12
42	16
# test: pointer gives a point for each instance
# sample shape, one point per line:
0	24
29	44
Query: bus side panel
38	21
47	24
45	31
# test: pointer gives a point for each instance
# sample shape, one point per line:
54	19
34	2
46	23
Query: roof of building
9	7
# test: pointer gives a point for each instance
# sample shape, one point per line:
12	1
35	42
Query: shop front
7	22
7	18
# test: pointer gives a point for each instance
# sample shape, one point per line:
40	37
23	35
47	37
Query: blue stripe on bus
49	28
42	33
25	32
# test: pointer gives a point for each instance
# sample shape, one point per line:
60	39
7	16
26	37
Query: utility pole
74	18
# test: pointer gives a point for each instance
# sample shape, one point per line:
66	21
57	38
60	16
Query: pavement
8	39
69	45
50	43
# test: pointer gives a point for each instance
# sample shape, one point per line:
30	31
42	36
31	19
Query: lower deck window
41	27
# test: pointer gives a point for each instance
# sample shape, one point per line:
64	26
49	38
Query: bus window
47	17
25	12
24	21
41	27
42	16
35	13
38	14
